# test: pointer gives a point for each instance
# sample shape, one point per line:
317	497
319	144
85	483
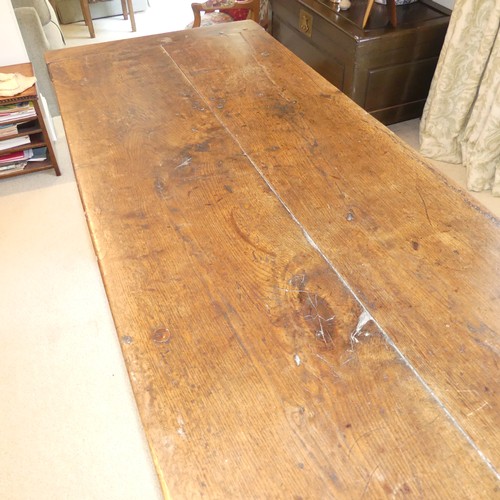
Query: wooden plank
256	366
419	253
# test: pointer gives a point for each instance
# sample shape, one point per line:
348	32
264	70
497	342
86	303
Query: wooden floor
306	308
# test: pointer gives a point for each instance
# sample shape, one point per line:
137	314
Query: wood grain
305	308
395	222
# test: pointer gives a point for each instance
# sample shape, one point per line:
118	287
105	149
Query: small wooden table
305	307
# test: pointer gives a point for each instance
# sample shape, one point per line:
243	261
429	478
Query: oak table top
305	307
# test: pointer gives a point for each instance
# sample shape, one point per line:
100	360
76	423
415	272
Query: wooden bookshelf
34	127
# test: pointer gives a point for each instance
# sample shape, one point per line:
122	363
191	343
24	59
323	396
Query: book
8	129
17	111
16	156
14	142
10	167
15	107
39	154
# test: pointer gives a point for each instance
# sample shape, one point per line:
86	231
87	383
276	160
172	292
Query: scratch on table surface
180	429
425	206
225	310
363	319
297	359
160	187
478	409
313	315
313	146
328	364
185	163
320	332
460	391
416	433
369	480
367	433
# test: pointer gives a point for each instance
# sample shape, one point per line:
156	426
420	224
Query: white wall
446	3
11	41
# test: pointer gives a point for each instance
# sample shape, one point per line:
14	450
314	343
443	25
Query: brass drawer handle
305	22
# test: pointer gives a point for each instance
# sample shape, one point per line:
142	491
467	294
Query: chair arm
212	5
48	19
197	10
36	45
39	5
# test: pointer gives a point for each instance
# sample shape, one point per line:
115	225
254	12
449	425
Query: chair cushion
215	18
237	14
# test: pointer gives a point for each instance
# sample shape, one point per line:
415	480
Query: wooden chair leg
368	11
124	9
87	17
132	14
391	10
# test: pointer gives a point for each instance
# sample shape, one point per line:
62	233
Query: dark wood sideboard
386	70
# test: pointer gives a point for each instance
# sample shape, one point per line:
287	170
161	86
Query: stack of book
17	111
11	117
13	142
15	161
8	129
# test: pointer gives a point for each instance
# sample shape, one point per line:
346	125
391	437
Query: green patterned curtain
461	118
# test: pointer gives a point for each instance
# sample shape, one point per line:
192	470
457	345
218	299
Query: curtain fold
461	118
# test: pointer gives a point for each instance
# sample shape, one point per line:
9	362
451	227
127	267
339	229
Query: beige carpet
69	424
68	420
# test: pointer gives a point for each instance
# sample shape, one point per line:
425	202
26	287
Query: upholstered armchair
41	32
